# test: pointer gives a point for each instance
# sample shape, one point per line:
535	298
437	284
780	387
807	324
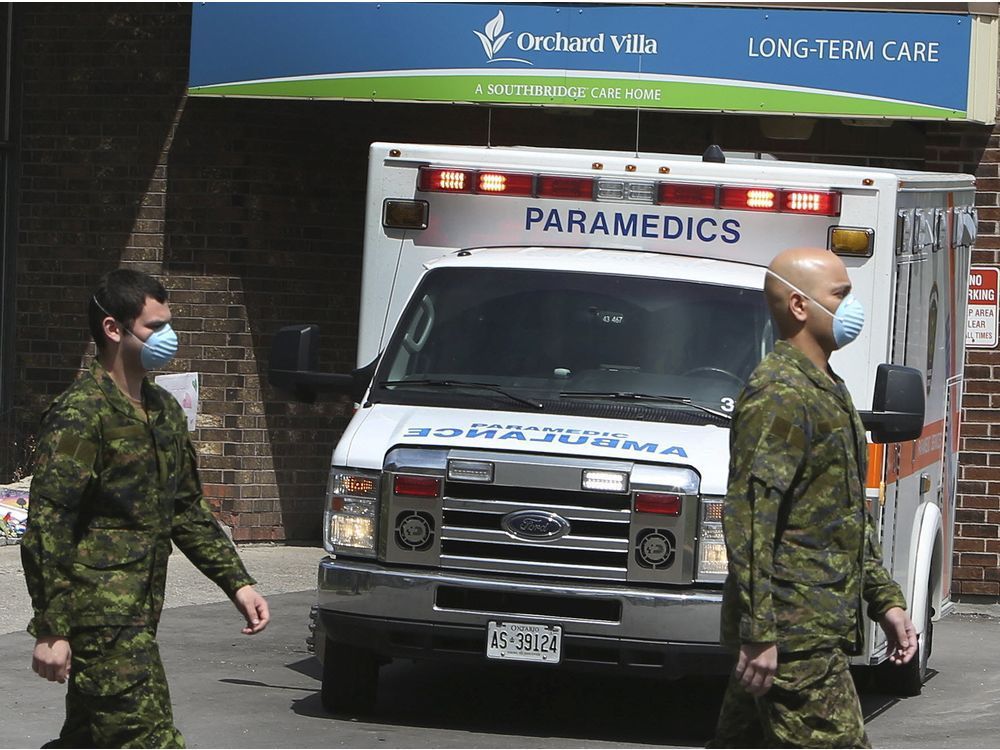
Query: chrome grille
597	546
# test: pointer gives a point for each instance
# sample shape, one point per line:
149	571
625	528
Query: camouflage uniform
803	557
112	487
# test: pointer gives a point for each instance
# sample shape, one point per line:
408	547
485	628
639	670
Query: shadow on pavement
874	702
309	667
533	702
526	701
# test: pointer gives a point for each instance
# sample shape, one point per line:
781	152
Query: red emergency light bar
506	183
445	180
686	194
572	188
731	197
748	198
810	202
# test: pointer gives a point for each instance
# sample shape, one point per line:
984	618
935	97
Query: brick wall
118	169
252	214
976	561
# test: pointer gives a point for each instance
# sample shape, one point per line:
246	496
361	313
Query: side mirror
897	413
293	367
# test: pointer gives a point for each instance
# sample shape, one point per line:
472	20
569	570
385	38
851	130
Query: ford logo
535	525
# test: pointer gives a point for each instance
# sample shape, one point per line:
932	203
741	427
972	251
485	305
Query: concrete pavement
233	691
277	568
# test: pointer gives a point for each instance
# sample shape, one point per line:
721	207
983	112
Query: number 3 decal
728	405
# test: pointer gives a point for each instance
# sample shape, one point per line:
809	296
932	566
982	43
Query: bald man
802	549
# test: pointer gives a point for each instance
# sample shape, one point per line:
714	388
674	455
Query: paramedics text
557	435
628	224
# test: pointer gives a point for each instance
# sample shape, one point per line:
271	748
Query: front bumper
442	615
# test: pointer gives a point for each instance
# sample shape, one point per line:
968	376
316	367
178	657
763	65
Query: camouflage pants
117	694
813	703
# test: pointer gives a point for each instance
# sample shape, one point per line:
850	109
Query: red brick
984	588
986	502
971	545
243	534
983	531
960	573
980	472
963	515
973	559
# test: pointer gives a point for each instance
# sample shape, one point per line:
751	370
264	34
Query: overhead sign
761	60
984	290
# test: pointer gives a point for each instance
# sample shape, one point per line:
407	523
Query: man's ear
112	330
797	306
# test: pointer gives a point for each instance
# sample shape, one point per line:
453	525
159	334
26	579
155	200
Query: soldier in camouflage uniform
115	482
803	557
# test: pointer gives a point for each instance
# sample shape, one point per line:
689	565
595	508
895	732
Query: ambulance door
953	278
885	516
914	468
901	306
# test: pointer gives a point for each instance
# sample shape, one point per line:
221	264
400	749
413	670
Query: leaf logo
493	39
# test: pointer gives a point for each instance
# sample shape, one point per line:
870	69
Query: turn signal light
656	502
876	465
445	180
854	242
506	183
341	484
398	213
408	485
749	198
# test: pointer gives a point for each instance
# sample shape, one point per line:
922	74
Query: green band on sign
582	92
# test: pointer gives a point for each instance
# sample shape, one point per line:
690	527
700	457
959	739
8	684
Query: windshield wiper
465	384
629	396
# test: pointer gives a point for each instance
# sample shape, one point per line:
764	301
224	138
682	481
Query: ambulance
551	344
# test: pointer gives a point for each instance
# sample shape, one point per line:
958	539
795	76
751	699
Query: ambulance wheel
908	680
350	679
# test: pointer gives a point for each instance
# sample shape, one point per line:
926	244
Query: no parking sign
984	286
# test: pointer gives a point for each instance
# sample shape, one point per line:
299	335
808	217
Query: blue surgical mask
848	320
159	348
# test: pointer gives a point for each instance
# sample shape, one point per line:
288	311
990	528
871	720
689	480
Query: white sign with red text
984	287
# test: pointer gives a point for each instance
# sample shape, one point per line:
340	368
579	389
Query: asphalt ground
231	690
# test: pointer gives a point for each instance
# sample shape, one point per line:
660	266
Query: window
539	334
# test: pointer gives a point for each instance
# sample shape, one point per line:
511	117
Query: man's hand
51	658
253	607
901	634
756	666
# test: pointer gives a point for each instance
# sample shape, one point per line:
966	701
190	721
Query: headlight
351	519
713	563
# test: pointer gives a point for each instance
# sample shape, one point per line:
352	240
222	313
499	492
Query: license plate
519	641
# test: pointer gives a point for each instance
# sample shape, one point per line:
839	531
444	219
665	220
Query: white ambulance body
554	341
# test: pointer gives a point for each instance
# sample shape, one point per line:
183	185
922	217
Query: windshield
564	337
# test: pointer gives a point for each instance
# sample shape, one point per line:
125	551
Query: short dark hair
121	294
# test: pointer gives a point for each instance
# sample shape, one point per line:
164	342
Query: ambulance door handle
925	483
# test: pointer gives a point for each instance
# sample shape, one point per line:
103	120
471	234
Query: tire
350	679
908	680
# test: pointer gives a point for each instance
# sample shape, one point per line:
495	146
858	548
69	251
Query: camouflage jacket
109	493
803	556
